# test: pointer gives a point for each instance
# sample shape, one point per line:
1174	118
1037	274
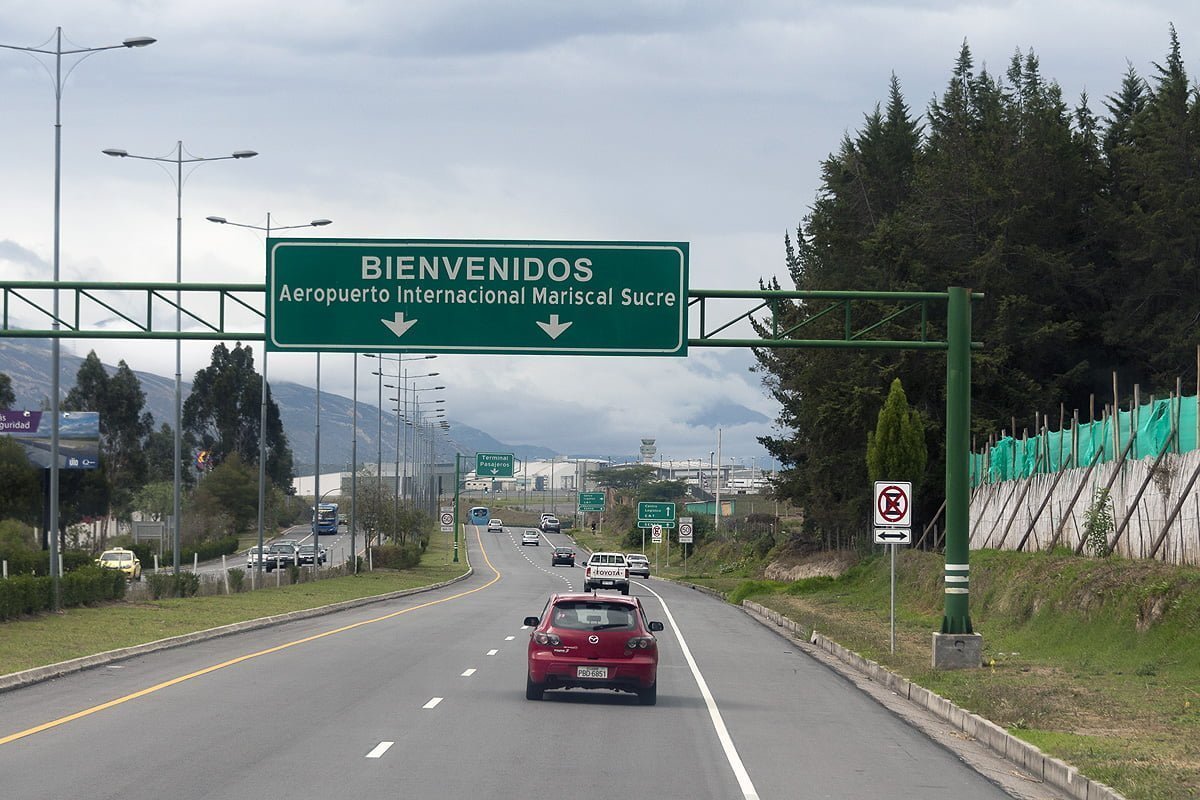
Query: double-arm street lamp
55	352
262	418
179	159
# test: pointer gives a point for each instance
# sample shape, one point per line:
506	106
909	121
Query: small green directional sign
591	501
494	465
471	296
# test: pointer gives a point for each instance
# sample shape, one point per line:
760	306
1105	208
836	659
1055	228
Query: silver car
639	565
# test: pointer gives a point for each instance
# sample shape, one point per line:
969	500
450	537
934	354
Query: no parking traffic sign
893	504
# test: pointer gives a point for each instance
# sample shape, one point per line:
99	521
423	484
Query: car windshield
590	615
636	558
497	522
117	557
564	551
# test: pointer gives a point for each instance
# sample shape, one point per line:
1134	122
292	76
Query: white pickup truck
606	571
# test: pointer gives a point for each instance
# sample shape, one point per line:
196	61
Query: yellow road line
87	712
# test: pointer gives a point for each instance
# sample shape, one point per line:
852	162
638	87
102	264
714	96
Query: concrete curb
1042	766
16	680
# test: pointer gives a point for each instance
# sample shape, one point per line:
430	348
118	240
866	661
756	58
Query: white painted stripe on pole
468	673
380	749
432	703
492	652
959	567
957	591
509	638
957	579
714	713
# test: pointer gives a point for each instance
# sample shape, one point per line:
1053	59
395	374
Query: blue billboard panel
78	437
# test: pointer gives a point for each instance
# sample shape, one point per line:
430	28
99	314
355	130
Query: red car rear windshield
591	615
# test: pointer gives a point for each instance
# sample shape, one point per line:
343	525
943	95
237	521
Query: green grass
1093	661
50	638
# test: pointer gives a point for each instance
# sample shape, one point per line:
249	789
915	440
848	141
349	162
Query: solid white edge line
492	652
380	749
432	703
468	673
731	753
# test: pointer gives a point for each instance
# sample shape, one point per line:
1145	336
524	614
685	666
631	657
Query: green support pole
958	489
456	457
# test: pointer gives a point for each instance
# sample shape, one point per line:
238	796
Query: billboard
78	437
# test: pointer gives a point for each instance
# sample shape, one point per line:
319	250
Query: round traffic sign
685	529
892	504
447	518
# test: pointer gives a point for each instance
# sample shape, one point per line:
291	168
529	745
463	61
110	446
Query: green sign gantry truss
223	312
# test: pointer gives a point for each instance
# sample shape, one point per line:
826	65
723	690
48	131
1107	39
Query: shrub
397	556
32	594
24	594
185	584
237	579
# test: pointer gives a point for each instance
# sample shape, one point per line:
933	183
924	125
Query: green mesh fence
1053	451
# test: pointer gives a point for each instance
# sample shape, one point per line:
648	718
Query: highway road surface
423	697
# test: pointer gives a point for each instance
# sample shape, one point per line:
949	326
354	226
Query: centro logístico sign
460	296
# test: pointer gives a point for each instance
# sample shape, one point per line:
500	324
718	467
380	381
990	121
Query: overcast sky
701	121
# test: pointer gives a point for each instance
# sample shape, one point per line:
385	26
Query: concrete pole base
957	650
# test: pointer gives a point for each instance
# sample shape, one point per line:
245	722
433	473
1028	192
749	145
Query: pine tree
896	450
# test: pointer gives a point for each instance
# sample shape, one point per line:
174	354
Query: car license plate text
591	672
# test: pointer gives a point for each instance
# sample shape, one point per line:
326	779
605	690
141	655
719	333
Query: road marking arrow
398	325
554	328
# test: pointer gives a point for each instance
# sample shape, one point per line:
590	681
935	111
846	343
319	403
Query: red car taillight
641	643
550	639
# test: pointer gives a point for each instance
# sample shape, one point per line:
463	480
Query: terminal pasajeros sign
466	296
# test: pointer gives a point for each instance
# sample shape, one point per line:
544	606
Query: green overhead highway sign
493	465
462	296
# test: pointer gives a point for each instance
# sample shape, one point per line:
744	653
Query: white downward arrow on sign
398	326
554	327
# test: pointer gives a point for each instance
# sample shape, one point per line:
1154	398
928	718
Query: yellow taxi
122	559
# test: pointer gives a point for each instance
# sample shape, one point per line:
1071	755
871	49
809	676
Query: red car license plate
591	672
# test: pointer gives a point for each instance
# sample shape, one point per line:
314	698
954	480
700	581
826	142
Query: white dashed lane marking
432	703
509	638
492	652
468	673
525	556
380	749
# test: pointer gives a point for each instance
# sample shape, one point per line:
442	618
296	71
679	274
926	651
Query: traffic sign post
656	533
464	296
685	538
493	465
893	526
446	517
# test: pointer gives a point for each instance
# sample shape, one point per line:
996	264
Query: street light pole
262	412
55	346
178	161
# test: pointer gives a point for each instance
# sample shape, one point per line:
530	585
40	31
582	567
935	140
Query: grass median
76	632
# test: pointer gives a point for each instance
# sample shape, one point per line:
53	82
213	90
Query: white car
638	565
495	525
531	537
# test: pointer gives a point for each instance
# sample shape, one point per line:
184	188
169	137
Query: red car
589	641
